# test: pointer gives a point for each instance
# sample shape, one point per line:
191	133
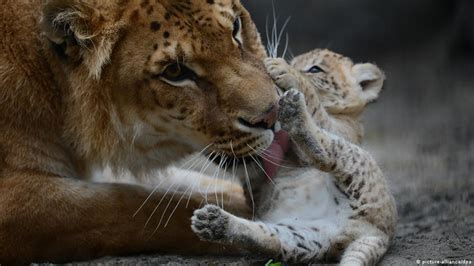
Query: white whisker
203	168
233	171
148	198
177	205
249	187
197	156
267	157
216	176
209	185
275	38
224	177
157	206
256	161
164	212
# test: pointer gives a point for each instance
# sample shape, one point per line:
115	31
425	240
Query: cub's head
161	78
345	87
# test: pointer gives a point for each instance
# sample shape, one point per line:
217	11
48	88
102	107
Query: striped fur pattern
334	203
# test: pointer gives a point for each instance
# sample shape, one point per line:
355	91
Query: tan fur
79	88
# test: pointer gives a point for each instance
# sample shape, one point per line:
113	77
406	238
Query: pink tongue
274	154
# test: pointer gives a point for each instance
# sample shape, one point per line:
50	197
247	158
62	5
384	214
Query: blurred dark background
371	29
422	129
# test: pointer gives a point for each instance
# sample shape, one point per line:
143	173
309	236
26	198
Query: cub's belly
302	194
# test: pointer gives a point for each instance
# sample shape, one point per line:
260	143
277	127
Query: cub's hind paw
280	72
292	110
210	223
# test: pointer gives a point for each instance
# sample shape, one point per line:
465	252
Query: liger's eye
177	72
237	30
315	70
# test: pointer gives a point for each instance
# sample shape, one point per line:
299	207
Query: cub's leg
356	174
213	224
365	250
286	241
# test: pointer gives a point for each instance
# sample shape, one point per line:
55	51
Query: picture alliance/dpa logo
444	262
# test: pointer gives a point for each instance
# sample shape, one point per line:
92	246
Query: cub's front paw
292	112
210	223
281	73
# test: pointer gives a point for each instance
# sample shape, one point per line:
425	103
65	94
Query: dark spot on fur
166	35
155	26
150	10
303	247
356	194
317	244
211	2
348	181
299	236
145	3
134	16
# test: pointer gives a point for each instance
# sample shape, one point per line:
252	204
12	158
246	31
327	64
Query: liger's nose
265	121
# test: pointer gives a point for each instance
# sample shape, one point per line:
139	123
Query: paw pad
292	110
210	223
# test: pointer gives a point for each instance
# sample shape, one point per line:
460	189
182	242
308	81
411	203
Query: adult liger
131	84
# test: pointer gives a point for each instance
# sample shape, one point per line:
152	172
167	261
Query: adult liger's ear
250	35
371	80
79	33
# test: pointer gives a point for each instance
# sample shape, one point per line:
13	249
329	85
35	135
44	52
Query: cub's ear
371	79
79	33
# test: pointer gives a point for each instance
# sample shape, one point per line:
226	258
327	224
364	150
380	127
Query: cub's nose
265	121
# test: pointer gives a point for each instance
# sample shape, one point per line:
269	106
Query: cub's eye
237	30
315	70
178	72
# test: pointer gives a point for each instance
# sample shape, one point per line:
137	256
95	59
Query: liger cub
330	201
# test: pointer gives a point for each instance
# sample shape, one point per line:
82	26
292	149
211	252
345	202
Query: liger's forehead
184	15
182	28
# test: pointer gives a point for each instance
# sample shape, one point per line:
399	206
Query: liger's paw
292	110
210	223
280	71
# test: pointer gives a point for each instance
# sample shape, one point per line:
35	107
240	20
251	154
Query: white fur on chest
304	194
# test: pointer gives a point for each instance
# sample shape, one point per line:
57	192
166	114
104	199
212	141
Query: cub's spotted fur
337	206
